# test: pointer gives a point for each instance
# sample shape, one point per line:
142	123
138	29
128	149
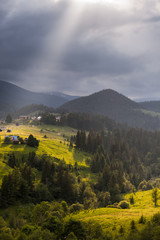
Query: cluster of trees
88	143
32	141
47	221
80	121
57	181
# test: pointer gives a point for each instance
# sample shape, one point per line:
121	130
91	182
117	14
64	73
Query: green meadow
55	145
111	219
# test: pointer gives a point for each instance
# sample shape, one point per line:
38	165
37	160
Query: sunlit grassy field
55	145
112	218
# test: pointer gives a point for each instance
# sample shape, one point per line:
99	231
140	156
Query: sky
82	46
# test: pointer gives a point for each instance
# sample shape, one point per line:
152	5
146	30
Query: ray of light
57	41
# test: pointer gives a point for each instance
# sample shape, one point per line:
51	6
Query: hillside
111	219
55	145
32	110
151	105
13	97
114	105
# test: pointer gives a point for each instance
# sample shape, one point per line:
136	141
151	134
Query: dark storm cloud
52	45
22	35
97	59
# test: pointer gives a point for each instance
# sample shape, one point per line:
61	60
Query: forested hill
32	109
114	105
13	97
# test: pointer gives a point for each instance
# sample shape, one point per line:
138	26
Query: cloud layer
79	48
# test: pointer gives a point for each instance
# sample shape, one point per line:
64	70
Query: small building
13	139
33	118
23	117
58	118
39	118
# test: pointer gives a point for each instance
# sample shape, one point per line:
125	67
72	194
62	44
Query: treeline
33	108
80	121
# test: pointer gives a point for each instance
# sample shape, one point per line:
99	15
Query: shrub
123	204
76	207
131	199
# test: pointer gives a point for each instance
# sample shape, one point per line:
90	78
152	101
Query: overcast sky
82	46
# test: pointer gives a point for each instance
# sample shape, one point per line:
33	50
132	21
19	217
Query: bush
32	142
131	199
76	207
7	140
123	204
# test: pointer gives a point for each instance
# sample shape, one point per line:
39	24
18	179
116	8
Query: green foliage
133	225
42	192
6	236
76	227
131	199
32	142
103	199
123	205
42	235
155	196
28	229
76	207
64	206
142	219
12	161
7	140
53	224
39	211
8	118
71	236
121	230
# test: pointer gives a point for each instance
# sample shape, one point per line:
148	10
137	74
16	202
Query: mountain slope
14	97
151	105
105	102
115	106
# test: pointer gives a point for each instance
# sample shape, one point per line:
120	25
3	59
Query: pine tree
8	118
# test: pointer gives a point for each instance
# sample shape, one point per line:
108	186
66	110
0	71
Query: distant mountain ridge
63	95
115	106
151	105
13	97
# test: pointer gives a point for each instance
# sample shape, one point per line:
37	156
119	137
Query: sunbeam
57	40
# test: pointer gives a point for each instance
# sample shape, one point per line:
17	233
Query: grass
55	145
112	218
151	113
